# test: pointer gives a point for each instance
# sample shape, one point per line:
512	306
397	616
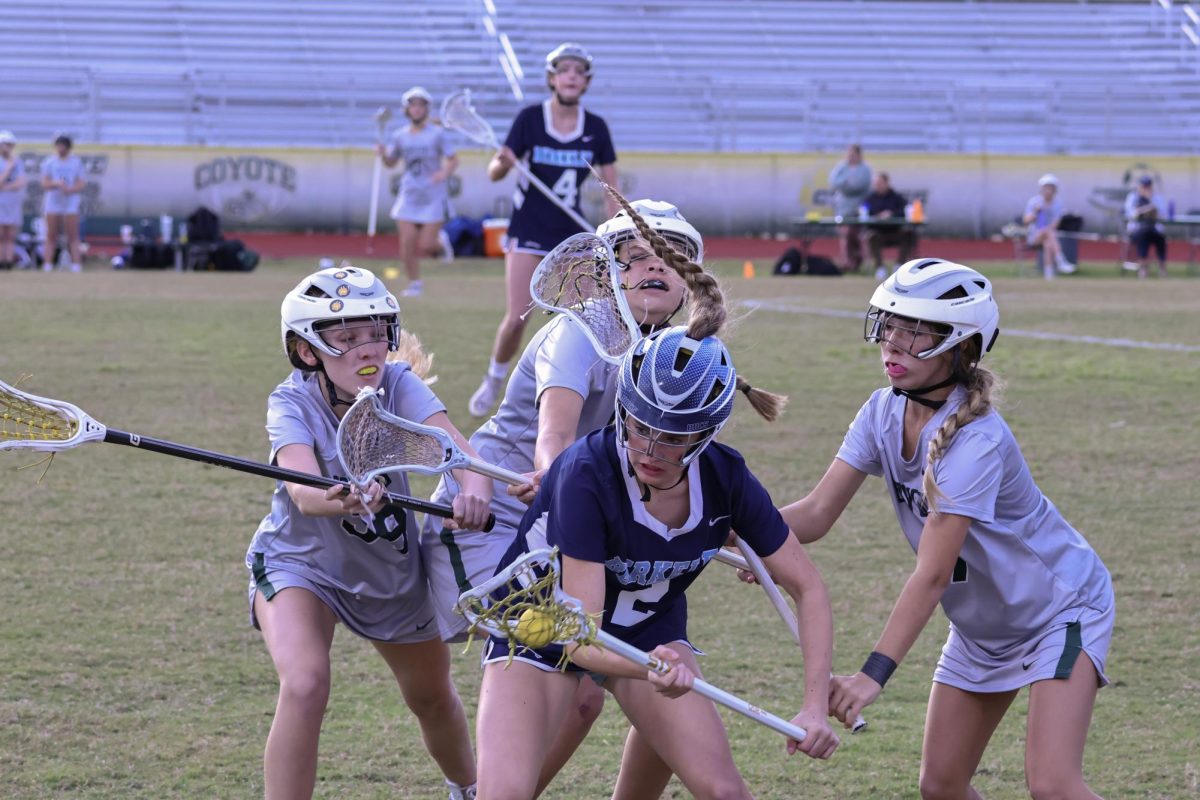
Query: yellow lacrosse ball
535	628
391	273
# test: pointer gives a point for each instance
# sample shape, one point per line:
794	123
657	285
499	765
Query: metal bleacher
706	75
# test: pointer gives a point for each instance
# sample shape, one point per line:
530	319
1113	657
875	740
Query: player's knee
721	787
936	786
1051	784
436	702
307	690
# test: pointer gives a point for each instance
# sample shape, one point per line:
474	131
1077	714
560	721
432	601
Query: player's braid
707	314
410	349
982	386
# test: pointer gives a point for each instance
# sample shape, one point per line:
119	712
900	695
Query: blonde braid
410	349
707	315
983	388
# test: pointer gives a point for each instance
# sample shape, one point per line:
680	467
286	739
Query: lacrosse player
423	203
637	509
12	185
316	561
561	390
63	182
1025	593
558	140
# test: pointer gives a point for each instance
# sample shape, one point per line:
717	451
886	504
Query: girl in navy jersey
315	562
637	510
561	389
423	202
557	140
1029	601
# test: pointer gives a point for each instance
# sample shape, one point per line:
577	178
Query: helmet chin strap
915	394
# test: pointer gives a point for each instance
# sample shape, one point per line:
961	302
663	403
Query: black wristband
878	668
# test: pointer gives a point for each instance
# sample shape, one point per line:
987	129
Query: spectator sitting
1143	208
884	202
1043	212
850	181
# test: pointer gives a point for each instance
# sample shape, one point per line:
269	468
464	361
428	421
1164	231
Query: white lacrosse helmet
416	93
663	218
341	293
1049	179
568	50
7	137
937	291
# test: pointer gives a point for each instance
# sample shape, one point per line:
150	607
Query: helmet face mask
672	449
663	218
912	336
570	50
346	305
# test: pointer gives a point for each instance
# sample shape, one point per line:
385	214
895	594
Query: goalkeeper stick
381	120
458	114
580	278
372	441
30	422
530	585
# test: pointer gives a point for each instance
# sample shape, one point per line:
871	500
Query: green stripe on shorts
1071	649
456	562
259	571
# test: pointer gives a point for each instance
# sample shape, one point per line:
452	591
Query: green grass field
128	669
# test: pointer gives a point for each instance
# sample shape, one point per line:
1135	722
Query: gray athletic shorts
1049	654
422	206
59	203
399	621
10	208
455	561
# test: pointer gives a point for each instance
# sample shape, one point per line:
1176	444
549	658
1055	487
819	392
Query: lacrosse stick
372	441
580	278
458	114
381	120
30	422
525	603
753	564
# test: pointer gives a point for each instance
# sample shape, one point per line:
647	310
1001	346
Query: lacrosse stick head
528	588
580	278
372	441
30	422
458	114
382	116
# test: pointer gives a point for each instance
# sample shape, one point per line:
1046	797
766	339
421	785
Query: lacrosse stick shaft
496	473
583	224
730	701
376	179
114	436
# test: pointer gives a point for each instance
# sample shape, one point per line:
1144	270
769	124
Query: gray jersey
1021	563
559	355
422	152
341	551
10	197
68	170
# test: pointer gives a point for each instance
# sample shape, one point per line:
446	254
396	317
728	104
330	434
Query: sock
497	369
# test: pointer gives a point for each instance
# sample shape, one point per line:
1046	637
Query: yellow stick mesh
569	624
23	420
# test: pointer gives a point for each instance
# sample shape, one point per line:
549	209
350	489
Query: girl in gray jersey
63	183
1025	594
560	391
315	561
423	202
12	185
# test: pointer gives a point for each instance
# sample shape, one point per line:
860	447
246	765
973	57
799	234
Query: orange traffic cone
748	269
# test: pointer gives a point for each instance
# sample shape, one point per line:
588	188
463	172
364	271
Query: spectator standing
62	178
1043	213
851	182
1144	207
884	202
12	181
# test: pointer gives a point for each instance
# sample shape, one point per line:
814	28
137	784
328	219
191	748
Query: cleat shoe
485	396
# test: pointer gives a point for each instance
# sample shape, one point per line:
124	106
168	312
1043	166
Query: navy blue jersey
591	509
561	162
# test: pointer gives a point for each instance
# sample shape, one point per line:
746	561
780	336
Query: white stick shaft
730	701
376	179
495	472
763	576
553	198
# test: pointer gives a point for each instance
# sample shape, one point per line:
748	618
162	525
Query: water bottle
863	213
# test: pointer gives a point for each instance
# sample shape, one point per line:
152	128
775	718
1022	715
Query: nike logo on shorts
715	520
1026	665
426	625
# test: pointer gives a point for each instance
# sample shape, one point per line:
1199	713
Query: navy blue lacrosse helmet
676	384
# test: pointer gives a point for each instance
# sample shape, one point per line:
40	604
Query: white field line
1174	347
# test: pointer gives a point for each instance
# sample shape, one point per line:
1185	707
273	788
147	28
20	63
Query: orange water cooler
494	231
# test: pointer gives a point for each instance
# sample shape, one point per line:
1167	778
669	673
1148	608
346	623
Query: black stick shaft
114	436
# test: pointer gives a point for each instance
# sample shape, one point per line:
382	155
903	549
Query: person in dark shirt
884	202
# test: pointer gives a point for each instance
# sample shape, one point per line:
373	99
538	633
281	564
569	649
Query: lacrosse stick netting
458	113
372	441
532	583
39	423
580	278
